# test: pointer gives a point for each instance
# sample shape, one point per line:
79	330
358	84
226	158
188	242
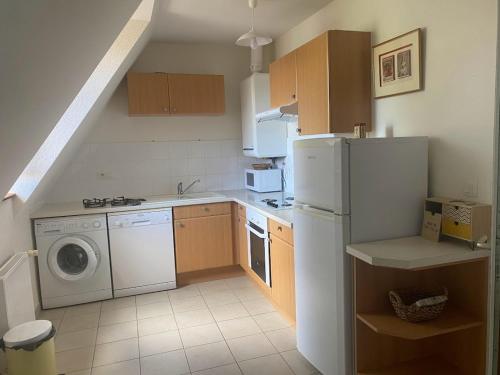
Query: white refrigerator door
321	173
323	290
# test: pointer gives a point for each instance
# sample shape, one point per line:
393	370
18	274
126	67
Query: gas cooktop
113	202
278	204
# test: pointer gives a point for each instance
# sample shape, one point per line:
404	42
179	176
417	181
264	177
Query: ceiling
223	21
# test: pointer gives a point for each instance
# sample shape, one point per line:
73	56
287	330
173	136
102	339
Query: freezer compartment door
323	290
321	173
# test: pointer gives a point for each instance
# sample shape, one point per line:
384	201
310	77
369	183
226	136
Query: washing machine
73	260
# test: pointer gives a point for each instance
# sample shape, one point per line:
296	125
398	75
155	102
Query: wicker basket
404	302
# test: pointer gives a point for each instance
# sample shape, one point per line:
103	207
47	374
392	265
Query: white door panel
323	290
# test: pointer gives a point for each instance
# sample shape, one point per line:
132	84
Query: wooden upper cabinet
156	94
283	80
333	82
147	94
196	94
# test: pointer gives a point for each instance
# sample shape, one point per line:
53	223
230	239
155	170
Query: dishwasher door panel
142	258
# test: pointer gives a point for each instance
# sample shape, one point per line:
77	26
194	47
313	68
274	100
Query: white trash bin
29	349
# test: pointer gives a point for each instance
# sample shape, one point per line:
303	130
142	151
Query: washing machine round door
73	258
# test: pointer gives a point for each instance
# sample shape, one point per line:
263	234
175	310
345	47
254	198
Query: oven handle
260	235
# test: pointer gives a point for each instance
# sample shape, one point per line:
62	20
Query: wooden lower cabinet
243	243
203	243
283	276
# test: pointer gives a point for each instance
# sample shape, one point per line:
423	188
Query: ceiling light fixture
252	39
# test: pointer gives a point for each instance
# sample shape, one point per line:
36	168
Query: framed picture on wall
397	67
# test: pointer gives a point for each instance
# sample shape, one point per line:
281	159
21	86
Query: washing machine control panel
70	225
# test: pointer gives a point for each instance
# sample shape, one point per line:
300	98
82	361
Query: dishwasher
141	244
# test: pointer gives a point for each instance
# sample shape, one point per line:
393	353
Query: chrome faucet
181	191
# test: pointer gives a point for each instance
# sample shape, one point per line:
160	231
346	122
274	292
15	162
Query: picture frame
397	65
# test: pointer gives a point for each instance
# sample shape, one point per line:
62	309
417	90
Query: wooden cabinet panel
282	231
236	233
196	94
283	276
147	94
243	243
312	86
283	80
200	210
203	243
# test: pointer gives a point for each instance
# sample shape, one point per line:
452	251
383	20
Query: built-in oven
258	245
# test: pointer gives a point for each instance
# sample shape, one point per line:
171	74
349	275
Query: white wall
142	156
48	51
456	107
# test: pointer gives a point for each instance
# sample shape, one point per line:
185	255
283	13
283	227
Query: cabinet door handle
294	96
299	130
207	209
280	229
165	109
181	225
174	110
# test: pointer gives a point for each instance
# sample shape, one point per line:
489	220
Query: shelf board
387	323
414	253
428	366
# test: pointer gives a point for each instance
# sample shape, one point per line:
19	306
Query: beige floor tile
194	318
283	339
122	368
156	324
153	309
239	327
118	351
271	321
171	363
212	287
188	304
52	314
248	294
117	332
227	312
249	347
184	292
223	370
298	363
79	322
128	314
159	343
208	356
220	298
75	340
83	372
239	282
270	365
118	303
145	299
86	308
201	335
258	306
74	360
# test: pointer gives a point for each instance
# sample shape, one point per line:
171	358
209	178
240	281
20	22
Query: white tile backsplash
151	168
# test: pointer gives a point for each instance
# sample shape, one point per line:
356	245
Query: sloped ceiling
48	50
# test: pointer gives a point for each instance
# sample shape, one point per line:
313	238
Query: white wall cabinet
260	140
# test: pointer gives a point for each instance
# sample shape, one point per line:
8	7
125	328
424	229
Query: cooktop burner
278	204
115	202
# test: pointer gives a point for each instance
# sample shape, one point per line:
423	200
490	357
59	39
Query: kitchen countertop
246	198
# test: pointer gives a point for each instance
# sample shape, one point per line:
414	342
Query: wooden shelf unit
455	343
427	366
387	323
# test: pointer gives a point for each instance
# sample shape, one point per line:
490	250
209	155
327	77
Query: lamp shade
252	40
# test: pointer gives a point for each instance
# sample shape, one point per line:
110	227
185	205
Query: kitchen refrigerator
347	191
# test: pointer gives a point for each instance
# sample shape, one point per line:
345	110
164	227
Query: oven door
258	250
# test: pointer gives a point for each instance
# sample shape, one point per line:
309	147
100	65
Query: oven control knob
96	224
85	226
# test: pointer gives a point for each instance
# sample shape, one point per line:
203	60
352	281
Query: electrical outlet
471	189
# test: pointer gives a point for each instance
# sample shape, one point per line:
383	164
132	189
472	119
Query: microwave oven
263	181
